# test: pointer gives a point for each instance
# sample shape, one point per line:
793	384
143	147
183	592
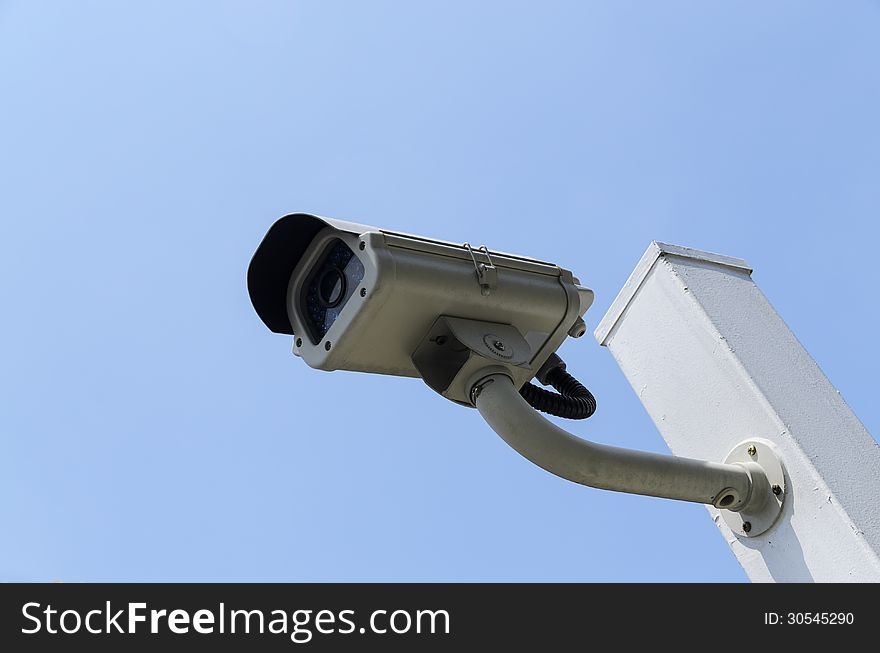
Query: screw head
752	450
363	292
496	346
362	245
777	490
747	526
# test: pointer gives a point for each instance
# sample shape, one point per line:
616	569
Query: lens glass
333	280
331	287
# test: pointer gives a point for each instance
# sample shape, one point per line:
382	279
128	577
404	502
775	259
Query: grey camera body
360	298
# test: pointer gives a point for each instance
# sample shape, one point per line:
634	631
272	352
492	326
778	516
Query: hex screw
362	245
363	292
752	450
498	345
747	526
777	490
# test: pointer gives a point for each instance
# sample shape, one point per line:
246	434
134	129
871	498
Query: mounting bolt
478	388
751	451
747	526
777	490
498	345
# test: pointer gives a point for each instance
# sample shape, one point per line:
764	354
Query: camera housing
366	299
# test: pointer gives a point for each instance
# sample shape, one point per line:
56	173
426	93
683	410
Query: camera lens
331	287
335	276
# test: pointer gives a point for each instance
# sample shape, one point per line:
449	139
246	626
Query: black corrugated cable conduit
571	400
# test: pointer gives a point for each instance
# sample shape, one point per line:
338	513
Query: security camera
477	325
361	298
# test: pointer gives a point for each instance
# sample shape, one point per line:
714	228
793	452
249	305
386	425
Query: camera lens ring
331	287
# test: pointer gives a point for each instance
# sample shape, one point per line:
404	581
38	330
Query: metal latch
487	273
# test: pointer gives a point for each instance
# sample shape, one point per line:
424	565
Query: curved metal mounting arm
737	486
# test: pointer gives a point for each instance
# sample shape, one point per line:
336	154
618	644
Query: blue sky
153	429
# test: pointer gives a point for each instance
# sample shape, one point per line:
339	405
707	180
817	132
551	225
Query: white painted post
714	365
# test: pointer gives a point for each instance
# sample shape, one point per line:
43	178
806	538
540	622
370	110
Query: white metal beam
715	365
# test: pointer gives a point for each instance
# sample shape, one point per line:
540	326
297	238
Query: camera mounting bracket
750	481
455	348
757	519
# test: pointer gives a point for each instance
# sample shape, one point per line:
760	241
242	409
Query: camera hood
279	253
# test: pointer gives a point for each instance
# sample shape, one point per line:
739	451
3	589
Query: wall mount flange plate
763	452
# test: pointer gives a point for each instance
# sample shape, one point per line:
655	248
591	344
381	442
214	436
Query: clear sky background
153	429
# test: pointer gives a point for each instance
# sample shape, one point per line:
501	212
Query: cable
573	400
